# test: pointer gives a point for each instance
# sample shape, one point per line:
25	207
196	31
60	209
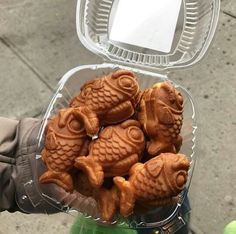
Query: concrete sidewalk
38	45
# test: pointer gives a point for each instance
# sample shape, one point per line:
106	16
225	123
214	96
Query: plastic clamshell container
194	29
68	88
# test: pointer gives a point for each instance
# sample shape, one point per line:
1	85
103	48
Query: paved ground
38	44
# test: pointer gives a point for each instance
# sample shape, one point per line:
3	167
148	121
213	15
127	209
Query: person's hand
32	196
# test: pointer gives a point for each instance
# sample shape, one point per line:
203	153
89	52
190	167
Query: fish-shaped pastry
161	116
108	202
117	148
107	100
106	197
155	183
65	140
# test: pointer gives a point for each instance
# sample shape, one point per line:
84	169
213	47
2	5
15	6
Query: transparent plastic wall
69	86
193	27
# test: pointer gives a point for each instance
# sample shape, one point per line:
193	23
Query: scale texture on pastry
65	140
161	116
107	100
156	182
115	151
131	164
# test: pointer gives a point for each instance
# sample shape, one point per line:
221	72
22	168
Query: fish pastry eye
126	82
75	126
180	180
135	134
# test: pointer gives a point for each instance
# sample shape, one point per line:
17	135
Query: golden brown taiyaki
155	183
161	116
108	192
108	202
117	148
107	100
65	140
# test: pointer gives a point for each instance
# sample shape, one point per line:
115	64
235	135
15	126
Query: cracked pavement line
229	14
5	41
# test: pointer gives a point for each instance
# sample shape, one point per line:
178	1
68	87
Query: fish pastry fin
155	148
165	116
93	170
89	118
63	116
127	198
119	113
62	179
108	202
122	167
178	143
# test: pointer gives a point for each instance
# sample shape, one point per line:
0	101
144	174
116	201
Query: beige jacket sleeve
8	145
18	145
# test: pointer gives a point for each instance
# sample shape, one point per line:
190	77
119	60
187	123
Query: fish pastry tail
93	170
127	198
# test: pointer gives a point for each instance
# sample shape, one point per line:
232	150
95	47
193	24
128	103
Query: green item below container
230	228
84	225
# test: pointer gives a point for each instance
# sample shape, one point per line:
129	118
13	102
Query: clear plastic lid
160	34
143	36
